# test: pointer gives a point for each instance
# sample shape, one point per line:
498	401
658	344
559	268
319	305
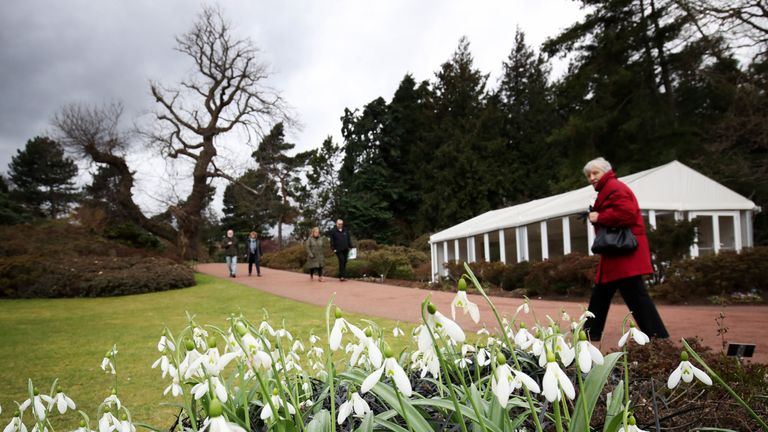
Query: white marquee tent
549	227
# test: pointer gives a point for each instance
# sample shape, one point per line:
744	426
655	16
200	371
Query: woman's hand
593	216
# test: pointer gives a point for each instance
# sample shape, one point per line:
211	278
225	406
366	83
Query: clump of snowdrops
253	376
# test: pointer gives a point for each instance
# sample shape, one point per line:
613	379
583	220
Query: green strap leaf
466	411
367	424
321	422
593	386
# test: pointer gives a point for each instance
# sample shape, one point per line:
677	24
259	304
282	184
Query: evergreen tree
277	166
11	212
43	177
246	211
317	198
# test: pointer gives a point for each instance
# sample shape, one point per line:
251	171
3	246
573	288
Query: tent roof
673	186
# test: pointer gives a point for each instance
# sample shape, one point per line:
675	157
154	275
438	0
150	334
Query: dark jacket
618	207
341	240
229	244
257	254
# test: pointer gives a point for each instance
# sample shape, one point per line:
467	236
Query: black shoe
259	275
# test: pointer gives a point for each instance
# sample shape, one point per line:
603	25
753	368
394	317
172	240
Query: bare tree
226	93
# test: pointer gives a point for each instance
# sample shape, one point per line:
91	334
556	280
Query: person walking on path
616	206
229	244
341	243
253	253
315	254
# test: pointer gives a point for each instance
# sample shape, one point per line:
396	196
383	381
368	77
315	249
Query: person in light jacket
315	254
616	206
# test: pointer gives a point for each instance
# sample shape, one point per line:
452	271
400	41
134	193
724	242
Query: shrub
366	245
28	276
132	235
357	268
290	258
423	272
726	275
514	275
384	261
571	275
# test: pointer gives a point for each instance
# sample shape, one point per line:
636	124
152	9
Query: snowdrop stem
558	419
402	409
581	391
280	384
442	361
506	342
267	396
566	412
329	362
727	388
472	402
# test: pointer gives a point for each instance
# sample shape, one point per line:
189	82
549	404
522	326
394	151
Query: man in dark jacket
341	243
229	244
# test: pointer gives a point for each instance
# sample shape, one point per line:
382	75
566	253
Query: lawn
45	339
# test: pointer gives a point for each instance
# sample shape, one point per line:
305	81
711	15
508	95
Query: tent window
534	241
705	239
579	240
727	233
463	257
510	244
555	237
493	239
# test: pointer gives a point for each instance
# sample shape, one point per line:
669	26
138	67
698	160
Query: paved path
746	324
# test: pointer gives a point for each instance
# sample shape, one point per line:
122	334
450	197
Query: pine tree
43	178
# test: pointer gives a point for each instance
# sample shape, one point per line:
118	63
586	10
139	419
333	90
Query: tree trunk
188	215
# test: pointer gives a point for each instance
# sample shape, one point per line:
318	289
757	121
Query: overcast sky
324	56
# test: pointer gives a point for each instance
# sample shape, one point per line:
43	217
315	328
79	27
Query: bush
571	275
290	258
728	275
384	261
366	245
514	275
132	235
28	276
357	268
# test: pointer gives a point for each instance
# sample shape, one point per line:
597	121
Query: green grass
45	339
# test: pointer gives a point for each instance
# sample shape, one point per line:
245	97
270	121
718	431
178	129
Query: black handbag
614	241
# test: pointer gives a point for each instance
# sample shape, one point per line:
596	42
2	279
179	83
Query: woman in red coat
616	206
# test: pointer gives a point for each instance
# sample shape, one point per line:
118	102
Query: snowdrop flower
555	380
108	422
15	424
355	404
215	422
124	425
175	386
62	402
283	333
631	426
687	372
566	353
639	337
463	302
107	365
588	354
264	326
523	338
200	336
83	427
505	380
313	339
523	307
165	343
266	412
564	315
483	331
439	322
585	315
164	363
201	389
483	357
297	346
37	429
341	326
38	409
394	371
426	362
112	399
397	332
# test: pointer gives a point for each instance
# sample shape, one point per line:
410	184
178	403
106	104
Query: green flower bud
631	421
16	413
214	408
114	391
211	342
431	309
368	331
36	392
683	356
105	409
462	284
241	329
500	358
274	391
123	416
388	351
189	344
631	324
338	313
582	335
82	423
550	356
522	325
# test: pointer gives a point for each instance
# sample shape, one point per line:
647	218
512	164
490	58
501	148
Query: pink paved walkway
746	324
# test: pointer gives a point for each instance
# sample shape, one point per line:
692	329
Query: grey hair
599	163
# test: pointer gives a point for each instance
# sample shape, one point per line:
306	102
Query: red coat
620	209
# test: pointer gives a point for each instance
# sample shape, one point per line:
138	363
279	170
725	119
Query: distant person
315	254
341	243
229	244
616	206
253	253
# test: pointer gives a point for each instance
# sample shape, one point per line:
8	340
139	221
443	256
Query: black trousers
342	255
319	271
636	297
254	259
